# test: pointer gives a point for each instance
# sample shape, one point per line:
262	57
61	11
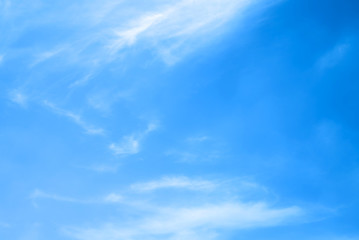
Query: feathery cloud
113	198
176	29
175	182
164	217
334	56
18	97
89	129
4	225
193	222
38	194
130	145
47	55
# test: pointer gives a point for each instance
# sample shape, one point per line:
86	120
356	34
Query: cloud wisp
130	145
18	97
175	182
194	223
4	225
175	29
171	29
107	199
89	129
333	57
196	218
38	194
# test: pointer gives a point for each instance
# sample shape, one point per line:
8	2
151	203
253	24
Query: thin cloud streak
130	145
109	198
44	56
172	223
333	57
76	119
174	30
101	168
18	97
38	194
4	225
165	217
174	182
171	29
113	198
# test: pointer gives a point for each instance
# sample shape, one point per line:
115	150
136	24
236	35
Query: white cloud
193	217
198	148
41	57
18	97
128	37
38	194
175	182
101	168
4	225
130	145
227	215
4	7
150	128
333	57
171	28
198	139
113	198
179	26
195	155
109	198
76	119
193	222
82	81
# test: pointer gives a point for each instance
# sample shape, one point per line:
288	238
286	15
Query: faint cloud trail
169	218
333	57
76	119
174	182
18	97
130	145
174	30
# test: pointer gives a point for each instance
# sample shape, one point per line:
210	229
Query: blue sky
179	120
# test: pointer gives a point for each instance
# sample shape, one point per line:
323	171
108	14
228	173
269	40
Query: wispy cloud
4	7
165	217
38	194
130	145
101	168
174	30
4	225
89	129
81	82
198	139
41	57
334	56
175	182
109	198
197	149
18	97
193	223
113	198
170	28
